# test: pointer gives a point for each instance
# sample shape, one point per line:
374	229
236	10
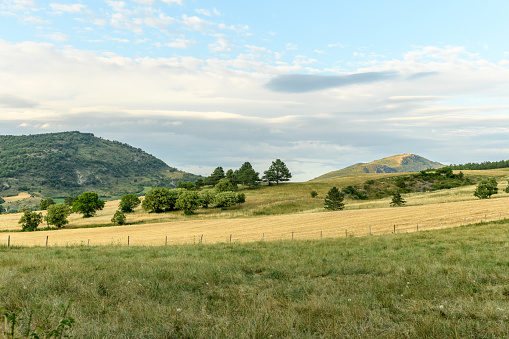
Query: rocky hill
394	164
69	163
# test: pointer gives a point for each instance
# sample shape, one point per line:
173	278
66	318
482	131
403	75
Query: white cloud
58	37
337	44
291	47
68	8
222	44
181	43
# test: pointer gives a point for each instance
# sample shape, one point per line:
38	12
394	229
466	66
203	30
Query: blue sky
320	85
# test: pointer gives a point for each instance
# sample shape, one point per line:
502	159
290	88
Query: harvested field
21	196
303	226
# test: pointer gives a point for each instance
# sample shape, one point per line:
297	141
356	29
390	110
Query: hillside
395	164
69	163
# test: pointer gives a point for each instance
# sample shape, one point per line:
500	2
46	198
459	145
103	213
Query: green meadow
433	284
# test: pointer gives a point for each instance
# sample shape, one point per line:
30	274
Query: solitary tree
88	204
30	220
277	172
397	199
334	200
486	188
57	215
128	203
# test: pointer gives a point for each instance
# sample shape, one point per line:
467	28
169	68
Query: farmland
289	270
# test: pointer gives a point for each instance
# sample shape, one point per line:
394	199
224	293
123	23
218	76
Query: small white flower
499	309
402	295
24	287
349	299
441	307
207	284
128	281
408	282
179	310
139	284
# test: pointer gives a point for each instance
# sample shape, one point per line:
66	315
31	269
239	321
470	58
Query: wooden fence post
89	242
321	235
166	241
369	230
417	227
263	235
394	229
201	239
292	235
127	241
47	240
9	241
346	233
230	238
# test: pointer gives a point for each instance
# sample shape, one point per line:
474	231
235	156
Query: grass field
448	284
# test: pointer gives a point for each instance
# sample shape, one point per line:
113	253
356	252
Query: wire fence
134	238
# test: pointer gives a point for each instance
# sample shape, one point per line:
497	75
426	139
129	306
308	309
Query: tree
57	215
186	185
188	201
128	203
207	197
198	183
45	203
277	172
69	201
217	175
246	175
397	199
486	188
119	218
241	198
507	187
232	176
1	200
160	199
334	200
314	194
2	209
225	185
30	220
88	204
226	199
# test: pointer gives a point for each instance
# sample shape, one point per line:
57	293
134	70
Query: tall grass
450	283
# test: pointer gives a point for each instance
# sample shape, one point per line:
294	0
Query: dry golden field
300	214
303	226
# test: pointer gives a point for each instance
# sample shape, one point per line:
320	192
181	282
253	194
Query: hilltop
395	164
69	163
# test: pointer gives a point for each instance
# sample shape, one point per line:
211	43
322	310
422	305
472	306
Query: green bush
57	215
129	202
226	199
30	220
119	218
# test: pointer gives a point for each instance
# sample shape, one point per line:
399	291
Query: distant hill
395	164
69	163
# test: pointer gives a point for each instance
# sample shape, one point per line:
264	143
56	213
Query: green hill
396	164
69	163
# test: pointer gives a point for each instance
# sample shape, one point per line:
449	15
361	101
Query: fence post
394	229
89	242
346	233
230	238
321	235
417	227
292	235
166	241
485	218
47	240
263	235
127	241
201	239
369	230
9	241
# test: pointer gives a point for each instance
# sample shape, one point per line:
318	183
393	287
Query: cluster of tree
163	199
247	176
87	204
334	199
485	165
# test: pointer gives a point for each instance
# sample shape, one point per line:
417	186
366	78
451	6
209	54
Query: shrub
119	218
160	199
225	185
314	194
397	200
207	197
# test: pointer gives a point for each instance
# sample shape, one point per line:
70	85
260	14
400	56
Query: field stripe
303	226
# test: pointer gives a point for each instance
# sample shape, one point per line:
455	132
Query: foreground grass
450	283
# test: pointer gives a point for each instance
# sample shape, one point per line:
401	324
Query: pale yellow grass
303	226
21	196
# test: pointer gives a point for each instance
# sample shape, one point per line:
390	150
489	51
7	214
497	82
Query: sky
320	85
